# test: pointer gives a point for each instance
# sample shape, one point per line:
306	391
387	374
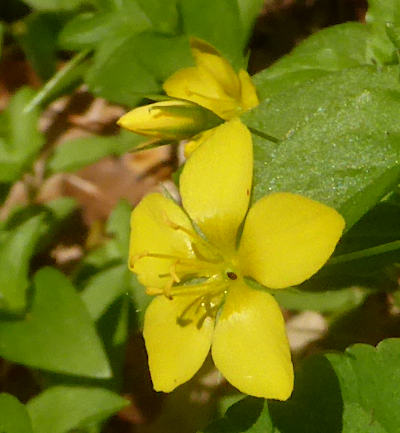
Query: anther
137	257
176	226
167	289
153	291
173	273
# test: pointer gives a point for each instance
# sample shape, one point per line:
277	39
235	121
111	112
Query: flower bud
172	119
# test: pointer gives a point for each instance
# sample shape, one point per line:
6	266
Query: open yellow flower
192	258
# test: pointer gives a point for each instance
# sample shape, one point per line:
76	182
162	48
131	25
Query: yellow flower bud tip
173	119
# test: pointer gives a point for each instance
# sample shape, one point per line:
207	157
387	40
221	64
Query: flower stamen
180	227
172	271
205	301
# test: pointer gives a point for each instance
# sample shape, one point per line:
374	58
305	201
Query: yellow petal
216	181
249	98
250	346
152	232
199	86
176	351
197	141
221	70
287	238
213	83
192	85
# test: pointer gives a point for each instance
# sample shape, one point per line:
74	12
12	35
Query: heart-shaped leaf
57	334
61	409
357	391
16	249
20	139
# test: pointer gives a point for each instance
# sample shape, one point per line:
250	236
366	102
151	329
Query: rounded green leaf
57	334
63	408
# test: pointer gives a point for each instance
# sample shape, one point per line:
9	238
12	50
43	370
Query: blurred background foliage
71	312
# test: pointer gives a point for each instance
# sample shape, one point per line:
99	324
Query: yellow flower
211	88
213	83
192	257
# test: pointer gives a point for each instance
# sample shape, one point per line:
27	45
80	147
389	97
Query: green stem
368	252
264	135
62	79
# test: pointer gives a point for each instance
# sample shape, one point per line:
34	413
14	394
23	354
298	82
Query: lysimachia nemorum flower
196	259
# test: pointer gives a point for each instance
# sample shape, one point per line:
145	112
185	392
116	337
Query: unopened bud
173	119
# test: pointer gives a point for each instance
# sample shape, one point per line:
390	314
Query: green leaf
249	10
61	409
249	415
393	33
113	327
357	391
379	14
61	209
107	5
324	301
371	244
106	256
217	22
54	5
54	218
340	140
20	140
104	288
118	76
16	249
39	41
77	153
109	276
87	30
368	252
131	61
281	114
127	70
162	55
354	392
13	416
379	226
57	334
331	49
163	14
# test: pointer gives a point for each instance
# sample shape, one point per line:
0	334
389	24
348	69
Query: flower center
205	275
